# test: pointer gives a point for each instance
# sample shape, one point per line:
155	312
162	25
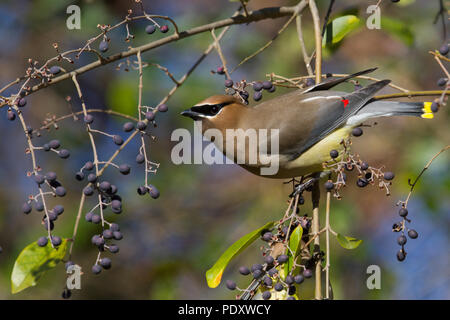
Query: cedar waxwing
311	122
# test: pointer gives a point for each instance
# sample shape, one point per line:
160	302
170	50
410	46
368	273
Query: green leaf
398	29
122	96
294	245
33	262
338	28
214	275
348	242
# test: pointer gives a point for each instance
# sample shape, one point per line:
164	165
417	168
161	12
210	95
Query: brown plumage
311	123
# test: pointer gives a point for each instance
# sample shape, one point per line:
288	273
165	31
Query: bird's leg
302	186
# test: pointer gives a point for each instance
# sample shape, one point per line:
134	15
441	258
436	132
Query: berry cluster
282	269
238	89
401	227
345	161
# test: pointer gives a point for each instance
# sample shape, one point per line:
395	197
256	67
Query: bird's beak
191	114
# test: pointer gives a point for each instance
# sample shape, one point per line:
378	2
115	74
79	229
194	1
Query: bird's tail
394	108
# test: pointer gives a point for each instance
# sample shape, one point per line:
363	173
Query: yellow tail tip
427	112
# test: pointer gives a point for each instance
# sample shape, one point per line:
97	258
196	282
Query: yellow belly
312	160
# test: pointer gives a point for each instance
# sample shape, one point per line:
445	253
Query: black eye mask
209	109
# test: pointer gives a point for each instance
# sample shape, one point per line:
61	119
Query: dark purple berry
150	116
54	144
329	185
298	279
89	166
257	96
401	255
39	179
389	175
88	119
96	269
364	166
113	248
55	70
124	169
103	46
153	191
56	241
413	234
141	125
402	240
105	263
357	132
266	295
220	70
88	216
117	235
231	285
79	176
278	286
258	86
334	154
362	182
307	273
42	241
22	102
88	191
26	208
118	140
140	158
64	154
267	236
267	85
128	126
267	281
163	107
269	260
142	190
60	191
442	82
244	271
289	279
96	218
282	258
403	212
228	83
444	49
150	29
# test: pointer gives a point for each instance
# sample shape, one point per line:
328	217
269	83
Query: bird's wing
331	82
326	112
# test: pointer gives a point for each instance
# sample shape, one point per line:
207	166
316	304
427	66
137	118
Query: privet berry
150	116
163	108
401	240
118	140
42	241
413	234
403	212
96	269
230	284
267	236
444	49
329	185
164	28
150	29
64	154
128	126
389	175
266	295
257	96
357	132
103	46
105	263
307	273
228	83
55	70
140	158
88	119
244	271
334	154
282	258
124	169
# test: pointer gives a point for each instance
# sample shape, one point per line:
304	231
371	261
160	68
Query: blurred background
169	243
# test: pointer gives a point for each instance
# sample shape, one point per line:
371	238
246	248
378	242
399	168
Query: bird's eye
214	109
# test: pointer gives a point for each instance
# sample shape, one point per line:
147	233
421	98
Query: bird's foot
299	188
